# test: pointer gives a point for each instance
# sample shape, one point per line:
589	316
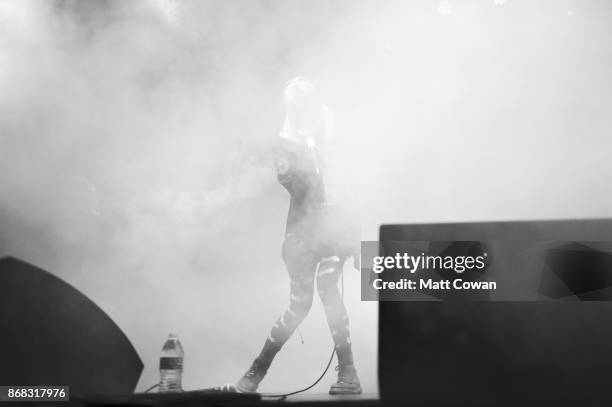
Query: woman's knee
327	279
301	296
300	305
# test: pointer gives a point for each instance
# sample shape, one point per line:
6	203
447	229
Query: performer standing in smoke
319	237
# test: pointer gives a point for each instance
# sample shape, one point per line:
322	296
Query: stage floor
367	399
328	397
205	398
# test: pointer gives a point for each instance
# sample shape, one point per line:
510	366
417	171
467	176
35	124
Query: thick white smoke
135	139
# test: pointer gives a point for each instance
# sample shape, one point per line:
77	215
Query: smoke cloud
135	148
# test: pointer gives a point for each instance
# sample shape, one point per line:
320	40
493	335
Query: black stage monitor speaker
52	334
553	350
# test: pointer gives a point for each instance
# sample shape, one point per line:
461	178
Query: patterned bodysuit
314	249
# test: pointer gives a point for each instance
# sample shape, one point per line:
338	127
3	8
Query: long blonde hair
306	116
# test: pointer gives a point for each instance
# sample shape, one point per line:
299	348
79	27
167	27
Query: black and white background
135	138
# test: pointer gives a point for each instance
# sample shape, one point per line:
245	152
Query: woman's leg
302	267
330	270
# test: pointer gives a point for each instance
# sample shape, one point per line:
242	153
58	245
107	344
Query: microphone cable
282	396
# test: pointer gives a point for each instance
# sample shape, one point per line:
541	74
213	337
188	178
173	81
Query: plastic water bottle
171	366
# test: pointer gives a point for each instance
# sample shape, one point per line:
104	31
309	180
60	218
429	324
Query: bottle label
170	363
